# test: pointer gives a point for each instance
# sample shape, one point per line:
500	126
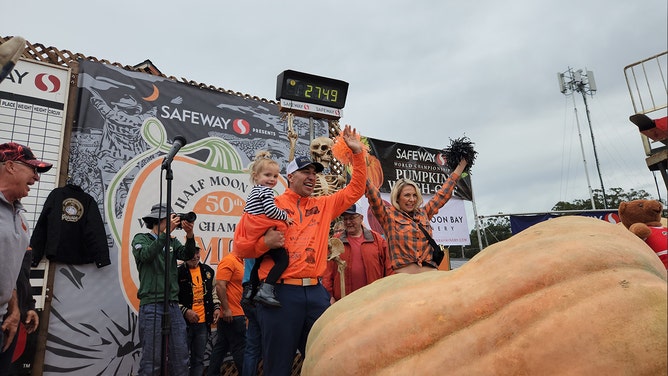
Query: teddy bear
643	218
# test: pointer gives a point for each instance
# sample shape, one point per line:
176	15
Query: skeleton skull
321	150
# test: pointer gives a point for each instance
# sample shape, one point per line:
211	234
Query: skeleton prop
335	249
321	152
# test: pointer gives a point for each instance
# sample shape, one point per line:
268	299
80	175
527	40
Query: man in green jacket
149	252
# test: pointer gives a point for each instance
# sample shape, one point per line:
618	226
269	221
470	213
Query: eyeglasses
350	217
33	168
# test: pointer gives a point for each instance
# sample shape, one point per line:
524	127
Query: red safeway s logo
241	126
47	82
441	160
612	218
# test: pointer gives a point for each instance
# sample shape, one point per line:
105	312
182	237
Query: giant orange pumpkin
572	295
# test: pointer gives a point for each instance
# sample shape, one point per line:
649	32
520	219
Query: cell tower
583	82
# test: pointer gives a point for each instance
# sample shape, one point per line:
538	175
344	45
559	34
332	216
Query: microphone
179	142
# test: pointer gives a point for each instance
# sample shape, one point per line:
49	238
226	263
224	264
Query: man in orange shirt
200	307
232	322
302	296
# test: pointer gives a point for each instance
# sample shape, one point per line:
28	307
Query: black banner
425	166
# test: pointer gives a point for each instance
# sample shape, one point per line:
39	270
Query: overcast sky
420	72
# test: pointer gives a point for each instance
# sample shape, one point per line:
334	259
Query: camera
188	217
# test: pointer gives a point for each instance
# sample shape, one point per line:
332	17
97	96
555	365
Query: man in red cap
19	169
365	254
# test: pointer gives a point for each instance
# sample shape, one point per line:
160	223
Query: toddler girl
261	211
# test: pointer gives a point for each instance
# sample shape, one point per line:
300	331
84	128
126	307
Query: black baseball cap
301	163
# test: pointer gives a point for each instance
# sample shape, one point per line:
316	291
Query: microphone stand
166	319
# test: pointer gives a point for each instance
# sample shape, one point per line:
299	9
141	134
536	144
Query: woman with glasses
409	248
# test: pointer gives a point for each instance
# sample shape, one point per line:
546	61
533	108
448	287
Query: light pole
583	83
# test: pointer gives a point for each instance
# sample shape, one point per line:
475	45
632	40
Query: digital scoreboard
309	88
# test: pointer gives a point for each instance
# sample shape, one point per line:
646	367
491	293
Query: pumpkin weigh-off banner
425	166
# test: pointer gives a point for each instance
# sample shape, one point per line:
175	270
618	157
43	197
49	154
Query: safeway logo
241	126
441	160
612	218
47	82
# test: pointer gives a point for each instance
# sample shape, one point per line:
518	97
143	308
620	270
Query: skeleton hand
292	136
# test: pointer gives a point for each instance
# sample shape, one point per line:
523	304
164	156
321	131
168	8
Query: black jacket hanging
70	229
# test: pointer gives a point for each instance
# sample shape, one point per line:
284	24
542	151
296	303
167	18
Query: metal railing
646	80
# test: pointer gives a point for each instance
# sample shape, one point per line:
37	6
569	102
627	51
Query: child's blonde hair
262	160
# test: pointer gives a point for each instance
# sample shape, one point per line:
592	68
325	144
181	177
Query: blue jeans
285	329
6	366
6	356
198	334
150	337
253	352
231	337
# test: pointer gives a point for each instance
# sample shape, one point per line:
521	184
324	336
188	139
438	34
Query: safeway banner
521	222
425	166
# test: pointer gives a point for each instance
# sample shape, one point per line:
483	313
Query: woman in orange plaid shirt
410	250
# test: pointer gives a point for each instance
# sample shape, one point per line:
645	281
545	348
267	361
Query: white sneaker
10	52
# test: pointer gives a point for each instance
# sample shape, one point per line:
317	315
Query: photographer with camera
188	217
148	250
